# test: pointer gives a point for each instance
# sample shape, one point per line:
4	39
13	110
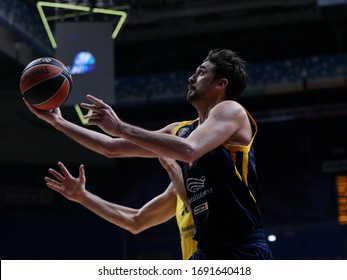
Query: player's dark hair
230	66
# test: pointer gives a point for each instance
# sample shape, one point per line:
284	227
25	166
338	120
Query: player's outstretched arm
162	144
226	121
93	140
158	210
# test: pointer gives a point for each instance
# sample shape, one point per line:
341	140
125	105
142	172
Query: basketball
46	83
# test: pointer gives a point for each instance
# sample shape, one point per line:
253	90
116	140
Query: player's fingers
31	108
64	169
98	102
88	106
93	119
82	174
56	174
53	184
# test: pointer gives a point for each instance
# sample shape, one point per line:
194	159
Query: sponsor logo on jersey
200	208
195	184
200	195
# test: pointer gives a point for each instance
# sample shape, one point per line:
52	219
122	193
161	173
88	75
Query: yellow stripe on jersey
184	218
186	228
244	150
181	124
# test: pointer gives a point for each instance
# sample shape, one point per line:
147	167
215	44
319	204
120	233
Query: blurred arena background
297	56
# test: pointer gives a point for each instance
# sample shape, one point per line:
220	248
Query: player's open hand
65	184
48	116
103	116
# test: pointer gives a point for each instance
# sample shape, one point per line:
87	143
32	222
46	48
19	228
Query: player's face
201	82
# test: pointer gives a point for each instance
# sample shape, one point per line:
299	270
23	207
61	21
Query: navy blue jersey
222	190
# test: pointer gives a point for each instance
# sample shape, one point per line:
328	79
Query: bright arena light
272	238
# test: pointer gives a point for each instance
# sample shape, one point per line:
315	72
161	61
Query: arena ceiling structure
168	35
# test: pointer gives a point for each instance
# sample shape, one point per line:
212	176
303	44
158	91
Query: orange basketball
46	83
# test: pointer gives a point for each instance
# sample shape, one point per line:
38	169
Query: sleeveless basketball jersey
185	224
222	191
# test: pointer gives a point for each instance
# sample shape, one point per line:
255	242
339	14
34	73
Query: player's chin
190	95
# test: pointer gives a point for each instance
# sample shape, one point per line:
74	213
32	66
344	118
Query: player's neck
204	108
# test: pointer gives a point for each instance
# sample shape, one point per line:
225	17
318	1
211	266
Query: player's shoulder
230	104
229	107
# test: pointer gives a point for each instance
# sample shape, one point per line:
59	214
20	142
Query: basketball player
157	211
215	152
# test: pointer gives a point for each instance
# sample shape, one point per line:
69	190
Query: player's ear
222	83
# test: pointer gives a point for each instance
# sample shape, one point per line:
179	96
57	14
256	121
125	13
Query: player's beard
191	96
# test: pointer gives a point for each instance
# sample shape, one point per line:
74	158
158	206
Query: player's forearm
99	142
154	212
116	214
90	139
176	176
159	143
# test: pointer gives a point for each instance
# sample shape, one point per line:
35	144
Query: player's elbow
189	157
189	154
111	154
132	227
136	225
135	230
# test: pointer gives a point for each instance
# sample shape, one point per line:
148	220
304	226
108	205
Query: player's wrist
81	196
56	121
